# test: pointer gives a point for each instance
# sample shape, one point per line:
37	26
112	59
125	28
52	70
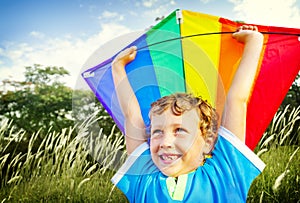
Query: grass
64	168
96	188
280	181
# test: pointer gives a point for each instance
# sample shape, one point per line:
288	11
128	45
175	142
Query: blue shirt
226	177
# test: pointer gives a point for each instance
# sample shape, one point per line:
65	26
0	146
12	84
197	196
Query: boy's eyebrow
156	127
157	130
174	125
182	127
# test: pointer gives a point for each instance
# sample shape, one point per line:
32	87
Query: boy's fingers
126	55
134	48
130	50
247	27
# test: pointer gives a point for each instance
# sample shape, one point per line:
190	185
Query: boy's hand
125	56
246	33
235	110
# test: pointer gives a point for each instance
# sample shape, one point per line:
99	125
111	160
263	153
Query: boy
186	161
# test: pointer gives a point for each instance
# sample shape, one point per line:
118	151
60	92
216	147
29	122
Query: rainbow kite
195	53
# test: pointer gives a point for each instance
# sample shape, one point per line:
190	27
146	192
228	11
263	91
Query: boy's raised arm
135	133
235	110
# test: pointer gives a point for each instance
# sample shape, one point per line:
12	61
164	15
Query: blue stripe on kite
142	78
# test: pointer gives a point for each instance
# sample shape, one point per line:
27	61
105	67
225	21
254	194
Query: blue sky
66	32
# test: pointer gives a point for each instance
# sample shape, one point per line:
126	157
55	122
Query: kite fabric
195	53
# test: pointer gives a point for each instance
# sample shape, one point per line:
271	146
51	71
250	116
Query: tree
84	105
39	102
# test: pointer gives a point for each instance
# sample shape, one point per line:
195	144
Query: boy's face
176	142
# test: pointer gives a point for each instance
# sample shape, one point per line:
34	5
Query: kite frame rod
212	33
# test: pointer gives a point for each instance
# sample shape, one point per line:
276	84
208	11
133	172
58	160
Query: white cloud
206	1
68	52
155	4
149	3
111	15
107	14
154	8
36	34
133	13
161	8
283	13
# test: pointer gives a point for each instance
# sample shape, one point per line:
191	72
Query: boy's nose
167	141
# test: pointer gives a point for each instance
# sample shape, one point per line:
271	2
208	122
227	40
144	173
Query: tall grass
283	130
62	167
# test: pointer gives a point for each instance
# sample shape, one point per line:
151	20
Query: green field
61	169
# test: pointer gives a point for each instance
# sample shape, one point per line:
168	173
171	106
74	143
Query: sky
65	33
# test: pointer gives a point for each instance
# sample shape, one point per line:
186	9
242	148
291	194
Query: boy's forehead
168	117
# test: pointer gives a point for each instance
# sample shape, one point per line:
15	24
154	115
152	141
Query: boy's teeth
169	158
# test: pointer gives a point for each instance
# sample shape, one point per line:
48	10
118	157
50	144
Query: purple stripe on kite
101	65
102	85
107	96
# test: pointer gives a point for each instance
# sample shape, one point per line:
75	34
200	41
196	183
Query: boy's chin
171	171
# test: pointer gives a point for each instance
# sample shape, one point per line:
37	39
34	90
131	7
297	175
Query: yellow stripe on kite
201	54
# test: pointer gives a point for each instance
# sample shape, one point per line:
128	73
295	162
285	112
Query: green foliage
40	76
85	104
39	102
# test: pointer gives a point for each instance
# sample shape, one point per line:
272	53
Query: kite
195	53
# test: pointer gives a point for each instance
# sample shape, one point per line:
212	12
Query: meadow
68	168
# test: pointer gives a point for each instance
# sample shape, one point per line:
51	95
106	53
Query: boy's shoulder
230	147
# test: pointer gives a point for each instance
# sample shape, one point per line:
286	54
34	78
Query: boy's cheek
184	145
154	142
154	146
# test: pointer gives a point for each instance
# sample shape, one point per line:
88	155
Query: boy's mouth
169	158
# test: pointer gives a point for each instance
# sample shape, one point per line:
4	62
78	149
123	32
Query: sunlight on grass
76	164
61	168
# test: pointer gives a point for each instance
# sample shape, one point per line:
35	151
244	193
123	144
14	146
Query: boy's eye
157	133
180	131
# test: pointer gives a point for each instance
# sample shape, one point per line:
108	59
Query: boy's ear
209	145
